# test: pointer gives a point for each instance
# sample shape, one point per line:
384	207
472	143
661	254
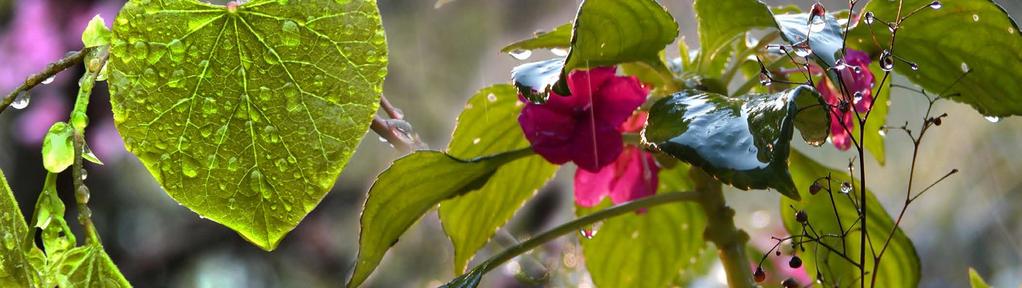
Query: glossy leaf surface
246	114
824	35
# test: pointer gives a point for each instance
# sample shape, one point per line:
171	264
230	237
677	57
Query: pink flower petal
636	176
590	187
618	98
595	147
584	82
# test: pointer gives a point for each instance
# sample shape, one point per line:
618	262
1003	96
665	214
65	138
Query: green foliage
874	143
96	33
247	115
411	187
642	28
721	23
90	266
486	127
560	37
16	267
647	249
975	280
900	265
743	142
58	151
976	36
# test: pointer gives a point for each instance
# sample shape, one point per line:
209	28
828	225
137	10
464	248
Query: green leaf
646	249
469	280
900	264
641	29
975	280
560	37
96	33
874	142
49	216
247	114
825	36
487	126
58	150
723	22
16	268
411	187
90	266
977	36
743	141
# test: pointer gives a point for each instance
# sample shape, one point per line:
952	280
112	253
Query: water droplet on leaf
936	5
521	54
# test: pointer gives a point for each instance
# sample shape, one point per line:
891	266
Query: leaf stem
52	69
575	225
721	230
95	58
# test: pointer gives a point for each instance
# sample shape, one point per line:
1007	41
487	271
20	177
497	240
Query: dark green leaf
487	126
560	37
743	142
408	189
975	280
246	115
641	29
647	249
900	264
825	35
977	36
721	23
16	269
535	80
90	266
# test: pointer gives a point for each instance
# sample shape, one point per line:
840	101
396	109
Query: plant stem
52	69
721	230
575	225
96	59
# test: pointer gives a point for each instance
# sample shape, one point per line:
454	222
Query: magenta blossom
584	128
633	175
858	81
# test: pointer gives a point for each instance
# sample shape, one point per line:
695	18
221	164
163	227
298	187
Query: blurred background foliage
440	54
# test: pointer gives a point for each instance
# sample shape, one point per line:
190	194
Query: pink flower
858	81
584	128
632	176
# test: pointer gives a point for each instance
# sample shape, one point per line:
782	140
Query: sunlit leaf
977	36
408	189
90	266
646	249
642	28
58	151
96	33
560	37
975	280
742	141
16	269
900	265
723	22
246	114
488	126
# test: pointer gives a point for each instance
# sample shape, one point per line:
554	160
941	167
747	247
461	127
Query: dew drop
975	17
189	167
8	240
209	107
492	97
85	174
291	37
886	61
49	80
587	232
914	66
520	54
869	18
257	182
993	119
965	67
232	164
846	187
817	25
936	5
20	101
561	52
177	50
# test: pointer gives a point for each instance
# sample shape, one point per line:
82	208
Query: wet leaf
559	37
977	36
96	33
411	187
90	266
642	28
58	149
535	80
742	141
722	23
825	36
16	268
975	280
246	115
647	249
900	264
487	126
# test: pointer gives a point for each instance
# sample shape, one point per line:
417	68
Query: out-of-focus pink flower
32	41
632	176
105	142
45	110
858	80
584	128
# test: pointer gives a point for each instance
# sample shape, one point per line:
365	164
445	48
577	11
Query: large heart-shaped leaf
743	142
641	29
246	114
487	127
408	189
976	36
647	249
900	265
16	270
722	22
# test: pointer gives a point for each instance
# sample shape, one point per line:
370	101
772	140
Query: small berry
759	275
801	217
789	283
795	262
936	121
778	253
815	188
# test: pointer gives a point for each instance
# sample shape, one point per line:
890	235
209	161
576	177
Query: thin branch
51	70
